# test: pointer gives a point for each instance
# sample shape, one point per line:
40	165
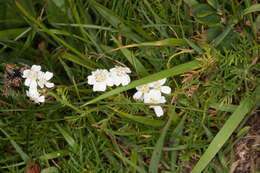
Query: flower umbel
100	79
142	91
31	76
154	98
158	85
119	75
35	95
43	79
152	93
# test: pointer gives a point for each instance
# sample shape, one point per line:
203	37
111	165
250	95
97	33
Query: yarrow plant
34	77
148	93
152	93
101	78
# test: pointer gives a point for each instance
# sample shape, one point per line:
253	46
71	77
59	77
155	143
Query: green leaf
213	3
50	170
202	10
191	2
176	141
11	34
140	69
193	45
226	131
140	170
139	119
180	69
222	36
76	60
23	155
45	29
69	139
251	9
119	23
157	152
52	155
211	19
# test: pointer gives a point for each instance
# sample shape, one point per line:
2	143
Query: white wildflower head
35	96
142	91
158	85
119	75
100	79
34	78
154	98
43	79
31	76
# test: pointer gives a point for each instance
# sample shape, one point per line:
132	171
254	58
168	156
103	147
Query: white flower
100	79
119	75
31	76
43	79
158	85
154	98
35	95
142	91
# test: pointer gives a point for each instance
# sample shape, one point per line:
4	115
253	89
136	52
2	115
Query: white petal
27	82
162	81
99	86
48	75
25	73
41	99
117	82
40	74
138	95
162	99
127	70
151	84
166	90
153	93
33	84
49	84
36	68
125	80
91	80
41	84
158	110
109	81
112	70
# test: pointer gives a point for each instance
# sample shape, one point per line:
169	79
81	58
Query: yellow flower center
145	89
153	101
120	71
157	86
33	75
100	77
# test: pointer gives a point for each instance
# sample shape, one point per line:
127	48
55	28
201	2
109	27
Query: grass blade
10	34
226	131
139	119
23	155
155	160
251	9
119	23
45	29
140	170
132	59
68	138
180	69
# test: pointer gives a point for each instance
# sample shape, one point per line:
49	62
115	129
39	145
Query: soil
247	150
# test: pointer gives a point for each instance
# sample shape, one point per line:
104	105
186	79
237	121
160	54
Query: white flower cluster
152	93
102	78
34	77
149	93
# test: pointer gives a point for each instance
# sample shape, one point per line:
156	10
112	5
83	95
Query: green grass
208	50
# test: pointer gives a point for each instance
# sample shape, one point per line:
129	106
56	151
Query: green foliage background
208	50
